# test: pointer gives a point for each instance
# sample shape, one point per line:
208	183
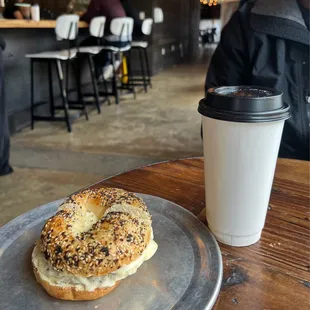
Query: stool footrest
139	79
40	103
49	118
85	94
75	105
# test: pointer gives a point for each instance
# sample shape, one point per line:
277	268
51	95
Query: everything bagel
96	238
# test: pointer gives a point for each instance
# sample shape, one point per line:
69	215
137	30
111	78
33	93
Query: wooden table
273	273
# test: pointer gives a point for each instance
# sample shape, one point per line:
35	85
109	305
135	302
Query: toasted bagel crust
115	240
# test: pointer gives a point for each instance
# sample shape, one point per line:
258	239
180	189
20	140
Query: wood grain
14	23
274	273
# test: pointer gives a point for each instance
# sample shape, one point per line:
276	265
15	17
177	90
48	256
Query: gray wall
177	36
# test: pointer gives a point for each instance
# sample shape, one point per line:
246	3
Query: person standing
5	168
266	43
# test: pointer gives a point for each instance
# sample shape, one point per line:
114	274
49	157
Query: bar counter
25	24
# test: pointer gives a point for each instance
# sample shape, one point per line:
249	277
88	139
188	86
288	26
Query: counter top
15	23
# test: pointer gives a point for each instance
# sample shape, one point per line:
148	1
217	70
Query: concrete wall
176	39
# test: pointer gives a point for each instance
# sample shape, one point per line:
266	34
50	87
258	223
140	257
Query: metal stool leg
63	94
67	77
51	91
77	73
146	57
32	92
142	70
114	80
93	78
130	76
105	84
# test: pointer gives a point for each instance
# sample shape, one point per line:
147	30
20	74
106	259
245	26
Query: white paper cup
240	155
35	13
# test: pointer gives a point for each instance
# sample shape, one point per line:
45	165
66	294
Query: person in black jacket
266	43
5	168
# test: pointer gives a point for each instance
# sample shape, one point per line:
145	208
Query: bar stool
96	29
121	28
141	47
66	29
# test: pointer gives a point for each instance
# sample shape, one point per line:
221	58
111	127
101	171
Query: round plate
185	273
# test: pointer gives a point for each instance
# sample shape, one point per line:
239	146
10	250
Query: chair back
96	27
147	26
67	27
158	15
122	27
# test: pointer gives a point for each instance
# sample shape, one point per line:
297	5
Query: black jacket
5	168
266	43
2	43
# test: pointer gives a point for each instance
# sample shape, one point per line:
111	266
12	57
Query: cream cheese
54	277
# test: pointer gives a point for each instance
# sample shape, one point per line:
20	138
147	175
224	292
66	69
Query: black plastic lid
247	104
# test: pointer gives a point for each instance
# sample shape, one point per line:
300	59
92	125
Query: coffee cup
35	13
242	130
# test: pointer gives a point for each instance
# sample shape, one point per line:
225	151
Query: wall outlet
163	51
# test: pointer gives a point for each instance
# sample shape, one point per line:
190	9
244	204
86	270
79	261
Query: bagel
97	238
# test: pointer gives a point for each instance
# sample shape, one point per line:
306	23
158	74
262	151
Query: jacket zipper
302	99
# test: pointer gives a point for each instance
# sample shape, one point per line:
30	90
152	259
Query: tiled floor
160	125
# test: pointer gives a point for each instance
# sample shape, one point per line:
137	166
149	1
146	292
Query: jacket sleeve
229	64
